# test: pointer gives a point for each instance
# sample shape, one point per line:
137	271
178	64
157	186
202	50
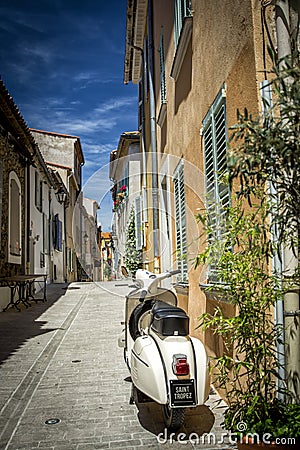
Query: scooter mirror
124	271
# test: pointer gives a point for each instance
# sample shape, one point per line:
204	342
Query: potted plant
260	407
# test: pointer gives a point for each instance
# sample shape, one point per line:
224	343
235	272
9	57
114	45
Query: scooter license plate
182	392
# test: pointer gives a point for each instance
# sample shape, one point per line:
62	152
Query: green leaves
267	149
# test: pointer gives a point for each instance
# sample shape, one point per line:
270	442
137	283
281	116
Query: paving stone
62	361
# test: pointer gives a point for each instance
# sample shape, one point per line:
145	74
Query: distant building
107	253
125	173
90	259
29	205
63	153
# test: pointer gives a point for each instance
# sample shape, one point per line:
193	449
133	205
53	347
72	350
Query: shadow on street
17	327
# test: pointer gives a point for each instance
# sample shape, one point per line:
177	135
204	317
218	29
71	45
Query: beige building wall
220	49
225	49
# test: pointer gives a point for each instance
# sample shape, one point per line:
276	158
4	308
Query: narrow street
60	362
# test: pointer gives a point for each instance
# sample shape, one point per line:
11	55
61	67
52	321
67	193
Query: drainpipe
153	139
277	268
290	260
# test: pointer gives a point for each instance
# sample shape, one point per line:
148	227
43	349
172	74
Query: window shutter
59	235
180	215
217	192
162	70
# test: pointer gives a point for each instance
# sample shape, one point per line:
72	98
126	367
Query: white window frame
215	138
182	9
180	223
15	222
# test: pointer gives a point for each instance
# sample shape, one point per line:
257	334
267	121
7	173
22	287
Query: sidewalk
59	362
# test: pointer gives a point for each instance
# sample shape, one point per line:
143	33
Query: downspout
153	139
266	98
290	260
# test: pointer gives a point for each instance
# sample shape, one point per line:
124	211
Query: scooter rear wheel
173	417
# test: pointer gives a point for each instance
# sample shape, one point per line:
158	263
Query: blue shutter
57	233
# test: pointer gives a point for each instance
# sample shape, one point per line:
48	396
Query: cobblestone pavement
60	360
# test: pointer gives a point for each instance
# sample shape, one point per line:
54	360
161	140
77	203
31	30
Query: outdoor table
22	285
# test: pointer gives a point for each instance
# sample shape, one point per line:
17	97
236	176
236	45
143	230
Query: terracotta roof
54	133
27	144
58	165
106	234
15	118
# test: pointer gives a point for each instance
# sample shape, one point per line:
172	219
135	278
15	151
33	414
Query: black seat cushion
169	320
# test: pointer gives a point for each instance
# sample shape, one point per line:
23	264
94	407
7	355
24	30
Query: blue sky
62	62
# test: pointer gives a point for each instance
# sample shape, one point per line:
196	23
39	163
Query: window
14	219
182	9
1	194
180	217
217	192
57	233
38	192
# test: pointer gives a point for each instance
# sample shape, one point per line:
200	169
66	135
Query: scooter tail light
180	365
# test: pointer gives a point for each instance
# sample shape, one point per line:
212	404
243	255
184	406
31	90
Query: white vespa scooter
166	364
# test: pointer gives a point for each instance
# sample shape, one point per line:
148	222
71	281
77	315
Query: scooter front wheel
173	417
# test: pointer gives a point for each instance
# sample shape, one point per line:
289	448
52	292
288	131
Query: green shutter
162	69
180	215
217	192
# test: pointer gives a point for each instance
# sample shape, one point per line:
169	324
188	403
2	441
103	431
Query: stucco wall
225	49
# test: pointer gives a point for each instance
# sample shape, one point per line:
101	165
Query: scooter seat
158	305
169	320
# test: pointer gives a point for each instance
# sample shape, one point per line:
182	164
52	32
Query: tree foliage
264	168
133	257
267	149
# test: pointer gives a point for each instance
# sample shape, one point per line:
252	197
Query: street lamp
61	196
